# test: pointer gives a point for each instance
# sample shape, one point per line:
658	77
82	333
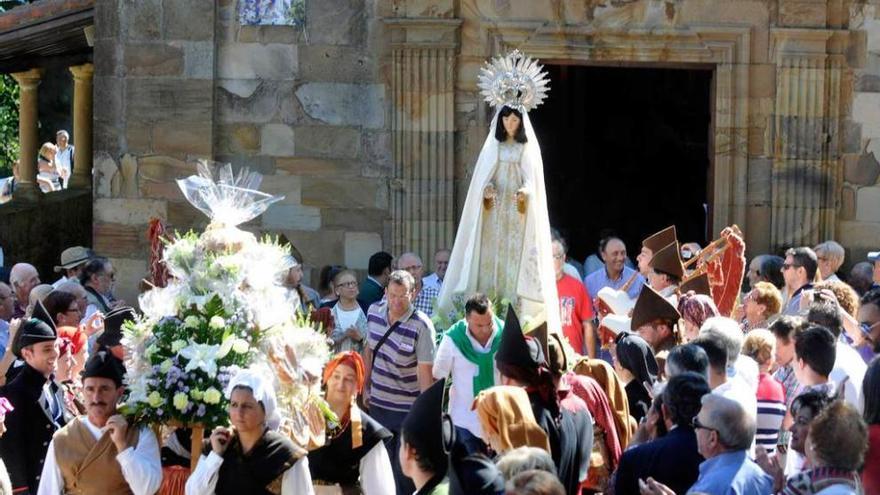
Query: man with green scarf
467	354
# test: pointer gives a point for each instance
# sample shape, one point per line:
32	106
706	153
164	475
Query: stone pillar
806	159
82	125
423	88
28	121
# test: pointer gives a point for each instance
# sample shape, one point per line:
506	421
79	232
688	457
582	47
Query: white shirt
432	280
141	465
62	162
848	373
738	390
747	369
347	317
377	477
448	359
296	481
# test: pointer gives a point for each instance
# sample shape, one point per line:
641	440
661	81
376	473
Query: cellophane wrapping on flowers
223	309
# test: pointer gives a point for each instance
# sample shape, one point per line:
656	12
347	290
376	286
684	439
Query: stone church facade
368	120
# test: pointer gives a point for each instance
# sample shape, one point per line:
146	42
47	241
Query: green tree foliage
8	124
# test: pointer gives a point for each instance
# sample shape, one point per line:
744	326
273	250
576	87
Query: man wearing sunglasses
869	318
724	435
799	271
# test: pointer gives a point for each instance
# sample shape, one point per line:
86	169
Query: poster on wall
272	12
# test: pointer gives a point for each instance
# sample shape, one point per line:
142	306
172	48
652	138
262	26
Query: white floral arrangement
223	309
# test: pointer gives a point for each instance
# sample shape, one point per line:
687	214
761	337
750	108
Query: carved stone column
28	139
423	88
806	161
82	125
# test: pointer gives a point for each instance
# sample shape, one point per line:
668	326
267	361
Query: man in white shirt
441	261
467	352
64	157
97	453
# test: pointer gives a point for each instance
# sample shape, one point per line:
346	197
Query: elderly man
830	256
467	353
423	295
38	402
724	433
614	273
7	308
754	271
399	359
23	277
441	262
73	260
98	278
64	156
799	271
575	308
120	460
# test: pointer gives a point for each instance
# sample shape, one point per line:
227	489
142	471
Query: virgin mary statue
503	247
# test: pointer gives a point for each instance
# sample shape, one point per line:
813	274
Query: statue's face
511	124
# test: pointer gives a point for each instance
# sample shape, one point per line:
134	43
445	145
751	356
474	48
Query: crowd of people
647	387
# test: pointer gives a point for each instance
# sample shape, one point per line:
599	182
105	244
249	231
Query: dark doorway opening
627	149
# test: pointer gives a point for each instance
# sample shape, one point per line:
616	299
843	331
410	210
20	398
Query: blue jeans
393	420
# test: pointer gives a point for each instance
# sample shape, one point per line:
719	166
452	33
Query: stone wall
860	195
180	81
368	119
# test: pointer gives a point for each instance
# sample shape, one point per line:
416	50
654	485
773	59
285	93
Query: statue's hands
522	196
489	195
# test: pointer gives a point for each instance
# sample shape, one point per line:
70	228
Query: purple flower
159	411
200	411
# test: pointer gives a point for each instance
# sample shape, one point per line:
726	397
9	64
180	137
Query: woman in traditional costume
353	460
507	419
250	456
502	247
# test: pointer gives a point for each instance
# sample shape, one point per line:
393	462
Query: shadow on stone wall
37	232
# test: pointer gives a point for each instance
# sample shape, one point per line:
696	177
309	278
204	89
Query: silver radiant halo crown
513	80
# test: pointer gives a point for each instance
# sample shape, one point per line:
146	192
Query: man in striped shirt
399	360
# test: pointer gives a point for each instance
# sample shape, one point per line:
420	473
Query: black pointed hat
103	364
113	322
514	349
38	328
422	428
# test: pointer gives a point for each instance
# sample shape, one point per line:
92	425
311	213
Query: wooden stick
625	286
195	448
711	248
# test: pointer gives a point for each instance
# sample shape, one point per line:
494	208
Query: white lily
203	356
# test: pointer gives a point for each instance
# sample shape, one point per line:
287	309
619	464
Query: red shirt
574	308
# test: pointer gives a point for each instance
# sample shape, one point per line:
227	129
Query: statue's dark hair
501	133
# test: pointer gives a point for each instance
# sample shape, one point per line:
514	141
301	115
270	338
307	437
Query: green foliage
8	124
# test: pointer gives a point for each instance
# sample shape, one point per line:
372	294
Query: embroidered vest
89	465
